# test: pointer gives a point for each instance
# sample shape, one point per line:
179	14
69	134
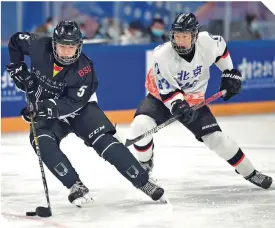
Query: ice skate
79	194
152	189
260	179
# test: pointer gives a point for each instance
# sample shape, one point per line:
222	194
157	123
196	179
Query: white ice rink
204	191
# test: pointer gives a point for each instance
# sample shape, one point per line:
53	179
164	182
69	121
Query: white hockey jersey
172	77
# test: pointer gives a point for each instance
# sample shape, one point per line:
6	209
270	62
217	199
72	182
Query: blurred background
122	35
117	21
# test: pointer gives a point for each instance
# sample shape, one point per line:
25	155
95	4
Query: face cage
66	60
183	50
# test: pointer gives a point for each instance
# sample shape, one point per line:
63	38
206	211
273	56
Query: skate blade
86	199
152	177
164	199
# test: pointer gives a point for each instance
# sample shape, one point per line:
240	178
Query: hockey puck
30	213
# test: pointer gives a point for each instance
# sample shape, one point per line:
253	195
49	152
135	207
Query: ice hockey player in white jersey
177	81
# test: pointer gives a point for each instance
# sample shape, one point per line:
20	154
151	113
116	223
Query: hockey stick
40	211
215	96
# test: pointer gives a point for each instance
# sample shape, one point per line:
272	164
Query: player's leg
97	131
50	133
150	113
207	130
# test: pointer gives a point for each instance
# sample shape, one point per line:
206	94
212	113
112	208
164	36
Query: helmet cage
67	60
179	49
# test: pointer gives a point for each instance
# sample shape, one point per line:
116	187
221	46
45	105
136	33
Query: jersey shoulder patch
39	39
163	52
208	40
40	44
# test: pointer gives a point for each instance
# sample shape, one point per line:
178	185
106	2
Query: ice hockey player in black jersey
62	90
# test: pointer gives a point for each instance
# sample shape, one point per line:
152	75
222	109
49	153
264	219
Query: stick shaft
37	148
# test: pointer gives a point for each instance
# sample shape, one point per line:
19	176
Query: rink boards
121	72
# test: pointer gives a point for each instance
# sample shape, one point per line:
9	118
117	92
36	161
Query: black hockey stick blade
41	212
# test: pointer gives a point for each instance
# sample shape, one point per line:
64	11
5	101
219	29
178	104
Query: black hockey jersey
70	88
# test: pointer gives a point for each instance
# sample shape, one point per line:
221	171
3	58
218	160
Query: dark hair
158	20
49	19
249	18
136	25
82	25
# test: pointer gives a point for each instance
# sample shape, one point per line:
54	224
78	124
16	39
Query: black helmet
67	33
184	23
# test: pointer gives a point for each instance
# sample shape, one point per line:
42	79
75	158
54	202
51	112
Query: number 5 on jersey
24	36
81	91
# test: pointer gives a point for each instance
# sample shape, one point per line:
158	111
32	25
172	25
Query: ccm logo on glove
16	70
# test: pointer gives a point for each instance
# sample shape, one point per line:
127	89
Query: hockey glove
26	115
46	109
182	108
232	82
21	76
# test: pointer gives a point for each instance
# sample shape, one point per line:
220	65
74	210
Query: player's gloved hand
46	109
32	109
232	82
21	76
25	114
180	107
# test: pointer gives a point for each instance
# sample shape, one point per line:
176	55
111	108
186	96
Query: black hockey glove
232	82
46	109
182	108
26	115
21	76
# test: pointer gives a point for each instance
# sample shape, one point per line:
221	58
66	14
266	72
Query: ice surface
204	191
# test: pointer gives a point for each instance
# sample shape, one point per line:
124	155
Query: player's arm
168	88
19	45
172	95
231	78
223	58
